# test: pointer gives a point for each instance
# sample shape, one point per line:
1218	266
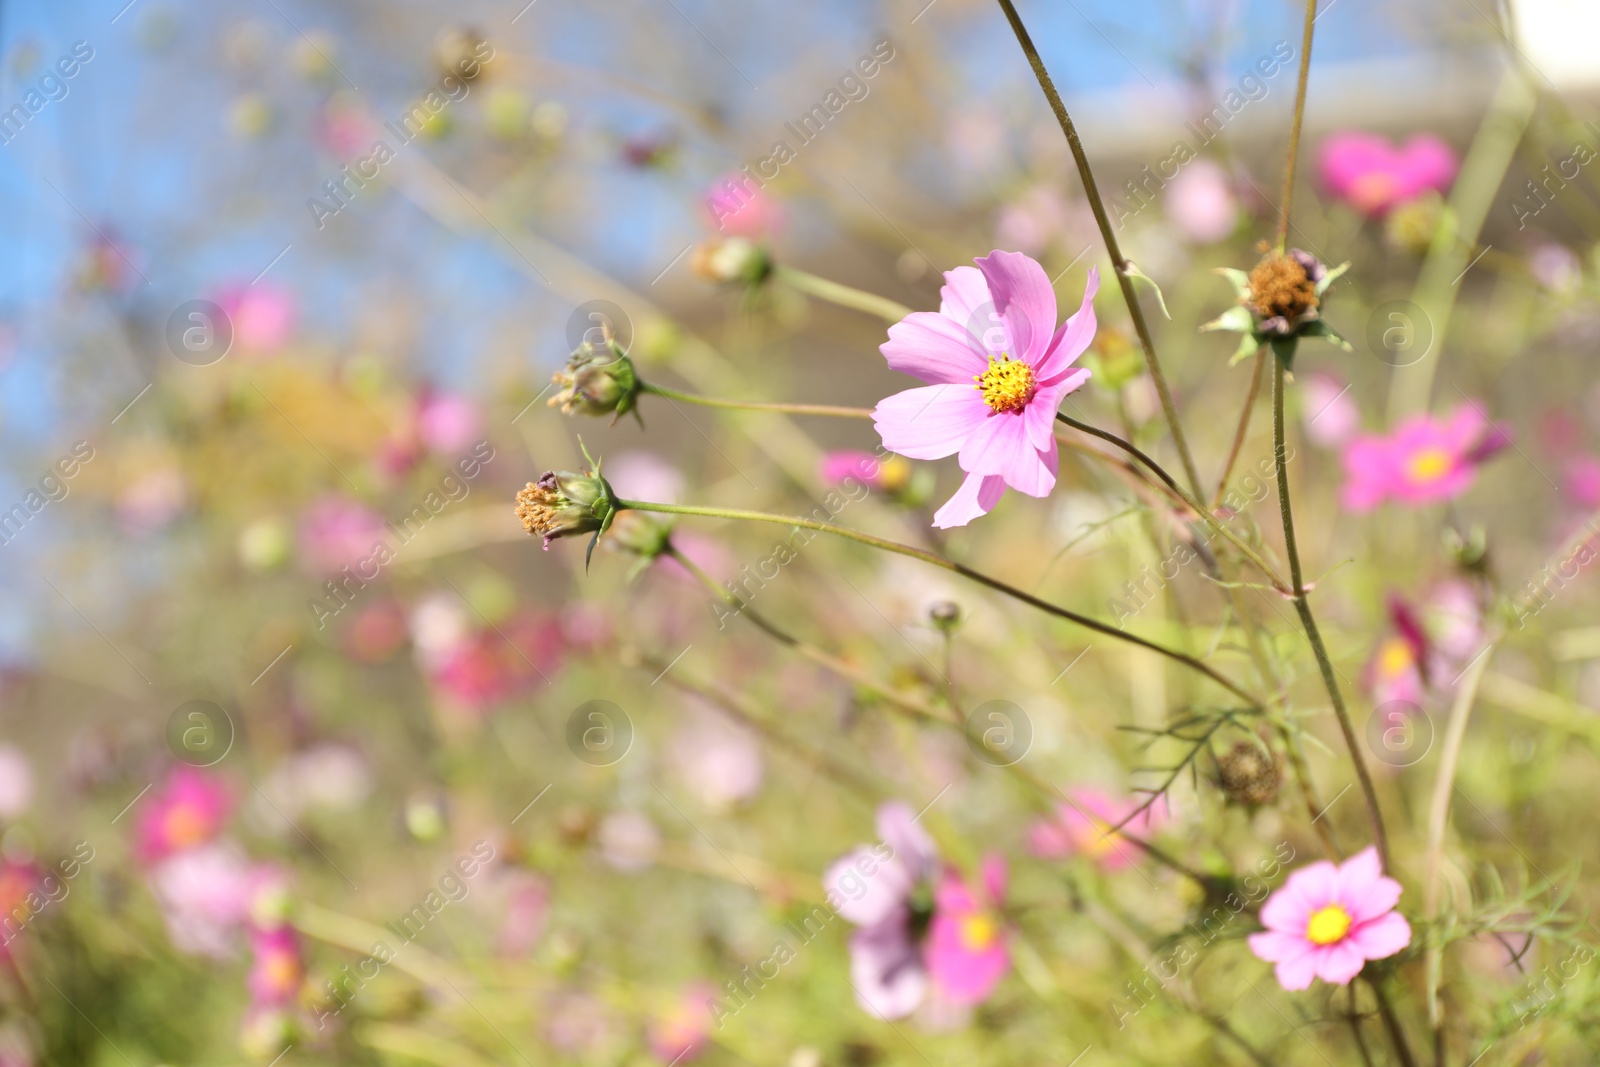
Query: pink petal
964	299
929	422
1025	301
1296	974
936	349
1275	946
977	496
1382	937
897	826
1072	340
1358	872
1001	447
1309	888
1042	422
1339	962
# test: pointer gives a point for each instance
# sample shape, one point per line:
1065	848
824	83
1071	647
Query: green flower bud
597	380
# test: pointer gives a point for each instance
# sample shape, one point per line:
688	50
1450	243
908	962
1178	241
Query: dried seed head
1282	291
1249	774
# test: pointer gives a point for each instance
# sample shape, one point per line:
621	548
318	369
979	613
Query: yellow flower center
1395	659
1428	465
978	932
185	827
1372	190
1007	385
1328	925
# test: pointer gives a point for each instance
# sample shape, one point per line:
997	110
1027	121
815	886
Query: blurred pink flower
864	466
1453	615
1555	267
262	316
1425	460
872	887
188	810
1033	220
1327	922
1200	201
1004	428
735	205
1373	176
1329	412
377	632
719	761
966	949
448	424
151	500
1080	828
19	880
1583	481
205	895
1394	673
644	476
495	664
277	971
16	782
527	908
683	1031
628	841
336	532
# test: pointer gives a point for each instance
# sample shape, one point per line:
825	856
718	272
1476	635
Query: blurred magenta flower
736	205
966	950
1582	477
276	972
889	474
16	782
1329	412
875	888
447	424
1201	203
262	316
996	327
188	810
19	881
336	532
1373	176
1394	673
1327	922
683	1031
1080	829
493	664
1425	460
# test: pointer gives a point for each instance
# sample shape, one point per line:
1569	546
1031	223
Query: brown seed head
1249	774
1280	287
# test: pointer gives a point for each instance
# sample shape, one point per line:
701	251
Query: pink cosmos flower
682	1032
1583	481
276	971
966	950
336	532
207	895
737	206
448	424
1079	828
997	369
1395	672
872	887
1327	922
262	316
1373	176
188	811
1425	460
1201	203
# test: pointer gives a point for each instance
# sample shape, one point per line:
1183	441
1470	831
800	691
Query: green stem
843	295
949	565
1391	1023
1244	425
1113	249
832	410
1294	126
1309	623
1194	505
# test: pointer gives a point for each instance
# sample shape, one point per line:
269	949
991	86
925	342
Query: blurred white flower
16	782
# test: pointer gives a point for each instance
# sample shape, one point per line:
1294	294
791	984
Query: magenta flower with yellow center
997	368
1327	922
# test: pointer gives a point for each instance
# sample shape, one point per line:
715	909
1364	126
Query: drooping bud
565	504
597	380
1249	774
730	259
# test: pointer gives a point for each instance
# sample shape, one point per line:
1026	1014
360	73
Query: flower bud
945	615
730	259
597	380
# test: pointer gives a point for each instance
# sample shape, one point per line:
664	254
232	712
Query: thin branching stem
843	295
1113	249
950	565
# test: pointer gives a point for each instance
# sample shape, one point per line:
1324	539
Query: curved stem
1309	623
1194	505
831	410
1092	192
1244	426
843	295
1294	126
950	565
